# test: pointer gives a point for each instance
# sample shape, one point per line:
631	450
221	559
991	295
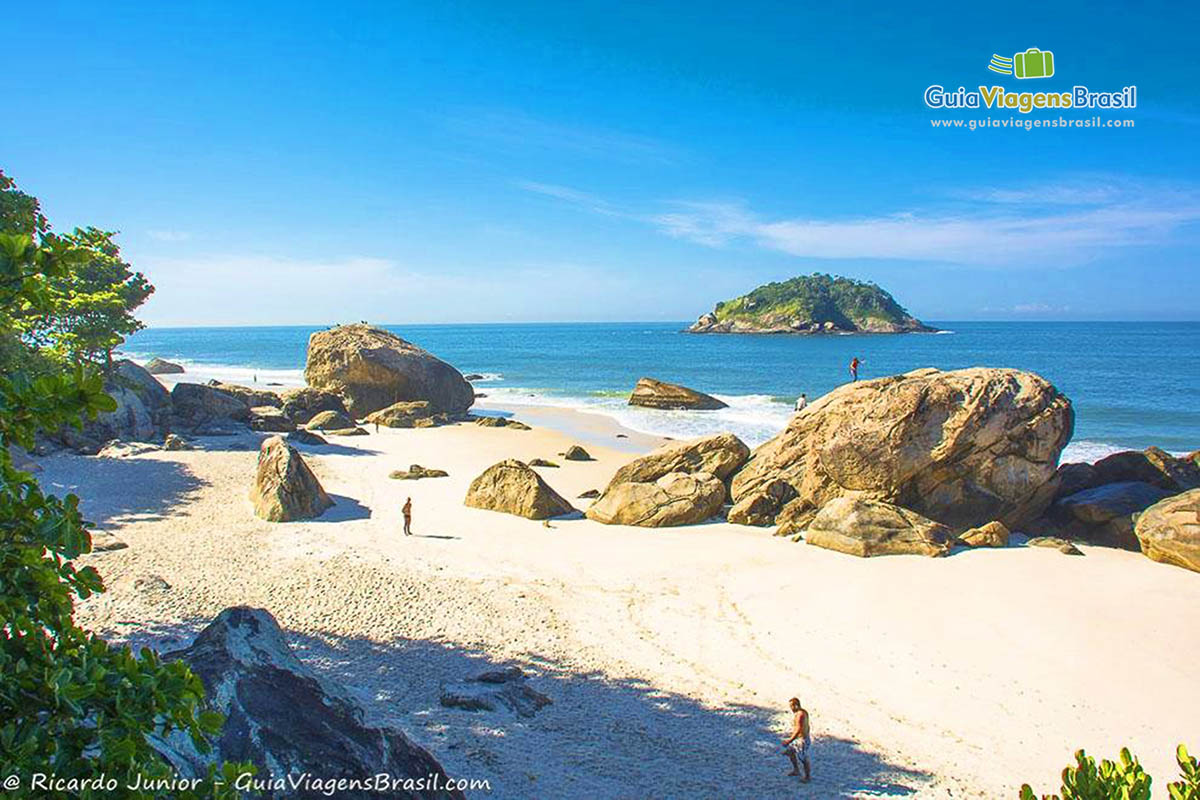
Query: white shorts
800	747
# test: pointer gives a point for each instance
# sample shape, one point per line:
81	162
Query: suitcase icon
1033	63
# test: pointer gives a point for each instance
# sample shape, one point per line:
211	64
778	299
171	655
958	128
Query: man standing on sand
795	747
854	362
407	511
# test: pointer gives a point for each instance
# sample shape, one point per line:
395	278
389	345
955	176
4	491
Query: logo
1033	63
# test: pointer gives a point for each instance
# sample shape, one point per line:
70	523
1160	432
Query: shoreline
645	637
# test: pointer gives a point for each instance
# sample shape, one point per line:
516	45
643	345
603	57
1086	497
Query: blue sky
275	163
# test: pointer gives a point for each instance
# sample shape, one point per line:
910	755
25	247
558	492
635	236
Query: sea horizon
1101	366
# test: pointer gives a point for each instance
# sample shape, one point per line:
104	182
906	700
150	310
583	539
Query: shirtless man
407	511
795	747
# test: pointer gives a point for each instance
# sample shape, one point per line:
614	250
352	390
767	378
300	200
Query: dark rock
270	419
302	436
197	405
1103	515
577	453
541	462
301	405
286	719
473	376
493	690
413	414
251	397
589	494
501	422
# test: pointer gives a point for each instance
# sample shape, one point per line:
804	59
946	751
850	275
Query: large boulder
658	394
962	448
289	721
143	411
415	414
330	421
677	498
372	369
1103	515
270	418
1169	530
285	489
720	455
158	366
1153	465
863	527
197	405
251	397
301	405
513	487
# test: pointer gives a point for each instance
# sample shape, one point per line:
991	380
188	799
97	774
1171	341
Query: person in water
407	511
854	363
796	746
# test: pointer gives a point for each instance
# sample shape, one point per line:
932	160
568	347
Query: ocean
1133	384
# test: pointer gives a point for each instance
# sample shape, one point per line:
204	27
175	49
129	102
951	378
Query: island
812	304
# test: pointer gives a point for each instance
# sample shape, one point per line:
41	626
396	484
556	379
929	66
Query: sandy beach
669	654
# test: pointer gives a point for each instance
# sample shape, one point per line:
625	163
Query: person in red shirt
854	362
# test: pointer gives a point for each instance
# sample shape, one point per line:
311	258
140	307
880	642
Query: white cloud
1060	224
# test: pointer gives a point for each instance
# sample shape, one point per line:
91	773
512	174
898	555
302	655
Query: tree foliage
71	705
815	298
1123	779
84	312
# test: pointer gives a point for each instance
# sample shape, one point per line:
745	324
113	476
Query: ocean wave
485	377
199	372
754	418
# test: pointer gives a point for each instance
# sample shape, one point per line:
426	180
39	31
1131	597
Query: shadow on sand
123	490
602	737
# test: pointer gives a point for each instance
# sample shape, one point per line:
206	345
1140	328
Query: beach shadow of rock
601	736
120	490
344	509
251	441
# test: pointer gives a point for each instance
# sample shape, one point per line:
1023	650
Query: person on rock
854	364
796	746
407	511
801	402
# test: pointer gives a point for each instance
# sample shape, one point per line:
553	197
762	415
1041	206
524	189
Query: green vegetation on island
814	303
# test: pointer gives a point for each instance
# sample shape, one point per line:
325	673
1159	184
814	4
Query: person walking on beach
801	402
854	362
407	511
795	747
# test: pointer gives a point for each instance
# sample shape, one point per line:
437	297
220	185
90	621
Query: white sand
669	654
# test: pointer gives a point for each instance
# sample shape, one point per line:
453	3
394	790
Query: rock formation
657	394
577	453
301	405
304	436
1169	530
288	720
330	421
514	488
962	448
251	397
993	534
416	472
863	527
501	422
197	405
677	498
414	414
158	366
271	419
285	489
493	690
371	369
721	455
1103	515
